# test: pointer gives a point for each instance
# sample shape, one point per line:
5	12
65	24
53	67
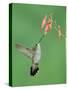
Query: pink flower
43	23
46	24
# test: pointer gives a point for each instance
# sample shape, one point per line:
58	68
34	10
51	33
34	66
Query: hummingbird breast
37	54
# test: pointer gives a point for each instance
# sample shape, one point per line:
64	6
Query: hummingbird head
38	44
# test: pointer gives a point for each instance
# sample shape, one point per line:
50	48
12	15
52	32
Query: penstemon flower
46	24
60	34
43	23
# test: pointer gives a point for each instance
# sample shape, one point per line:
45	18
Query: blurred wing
25	51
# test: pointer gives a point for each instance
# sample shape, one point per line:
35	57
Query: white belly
37	54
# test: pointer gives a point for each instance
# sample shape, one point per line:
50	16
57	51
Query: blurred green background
26	22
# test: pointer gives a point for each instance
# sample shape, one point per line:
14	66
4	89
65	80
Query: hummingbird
34	54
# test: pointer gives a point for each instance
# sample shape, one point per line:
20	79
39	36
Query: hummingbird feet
33	72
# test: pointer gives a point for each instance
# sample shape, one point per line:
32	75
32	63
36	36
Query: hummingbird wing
26	51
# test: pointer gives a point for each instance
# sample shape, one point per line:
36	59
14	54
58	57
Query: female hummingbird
34	54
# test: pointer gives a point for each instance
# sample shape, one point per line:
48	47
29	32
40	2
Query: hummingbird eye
36	44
